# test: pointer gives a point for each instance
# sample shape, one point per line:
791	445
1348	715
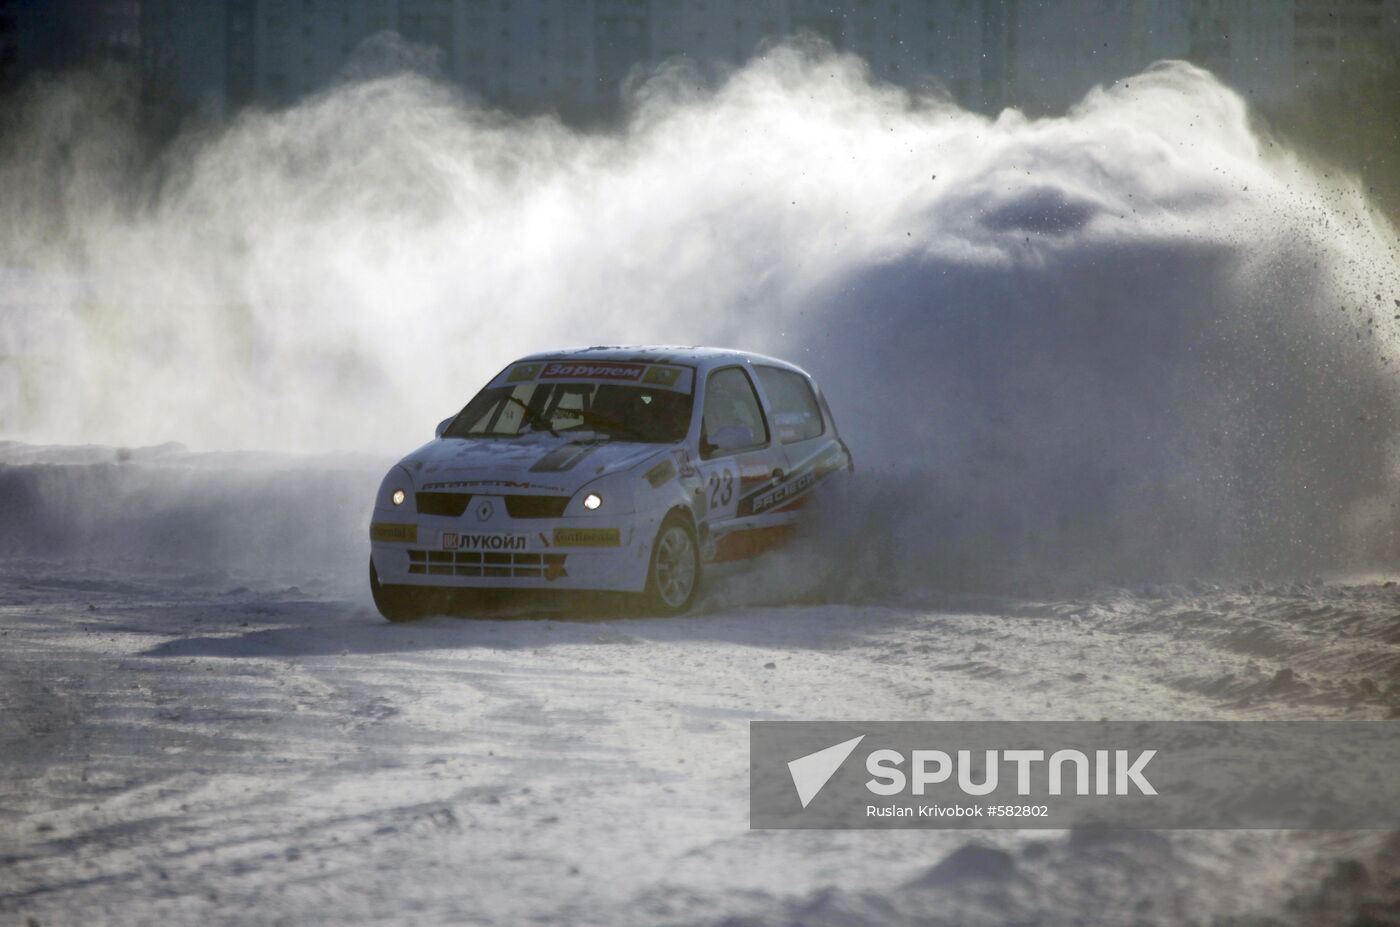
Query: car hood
535	463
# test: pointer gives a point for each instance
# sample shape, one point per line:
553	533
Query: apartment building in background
208	58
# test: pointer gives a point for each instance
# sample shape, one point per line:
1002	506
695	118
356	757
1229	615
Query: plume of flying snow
1141	336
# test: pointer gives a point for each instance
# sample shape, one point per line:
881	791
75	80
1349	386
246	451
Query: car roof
701	357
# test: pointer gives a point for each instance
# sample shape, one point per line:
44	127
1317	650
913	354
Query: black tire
674	553
396	603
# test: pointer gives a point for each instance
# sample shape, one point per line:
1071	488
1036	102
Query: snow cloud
1140	333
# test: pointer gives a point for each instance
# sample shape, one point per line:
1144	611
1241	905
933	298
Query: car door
733	475
810	449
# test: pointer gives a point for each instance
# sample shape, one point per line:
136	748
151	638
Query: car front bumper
593	553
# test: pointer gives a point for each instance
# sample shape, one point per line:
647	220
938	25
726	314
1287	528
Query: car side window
730	400
796	415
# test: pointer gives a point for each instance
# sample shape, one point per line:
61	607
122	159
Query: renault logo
485	510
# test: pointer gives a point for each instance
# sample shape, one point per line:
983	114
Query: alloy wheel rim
675	567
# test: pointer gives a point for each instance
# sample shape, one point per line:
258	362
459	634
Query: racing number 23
721	488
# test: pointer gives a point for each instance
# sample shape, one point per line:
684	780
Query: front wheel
674	576
396	603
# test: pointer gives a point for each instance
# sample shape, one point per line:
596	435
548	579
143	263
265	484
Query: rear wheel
396	603
674	576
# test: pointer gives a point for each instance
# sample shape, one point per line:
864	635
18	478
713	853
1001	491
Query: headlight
615	488
395	491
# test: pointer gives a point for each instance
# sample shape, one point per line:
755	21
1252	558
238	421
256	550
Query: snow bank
255	518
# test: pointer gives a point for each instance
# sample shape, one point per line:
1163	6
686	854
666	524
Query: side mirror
442	426
732	438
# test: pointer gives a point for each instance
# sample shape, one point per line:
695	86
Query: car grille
486	563
536	506
451	504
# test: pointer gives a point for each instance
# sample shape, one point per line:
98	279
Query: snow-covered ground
187	737
1141	340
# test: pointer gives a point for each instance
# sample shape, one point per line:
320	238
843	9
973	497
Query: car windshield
619	412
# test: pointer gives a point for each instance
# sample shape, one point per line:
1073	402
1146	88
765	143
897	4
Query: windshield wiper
534	418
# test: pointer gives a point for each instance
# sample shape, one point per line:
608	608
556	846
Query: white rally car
619	468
